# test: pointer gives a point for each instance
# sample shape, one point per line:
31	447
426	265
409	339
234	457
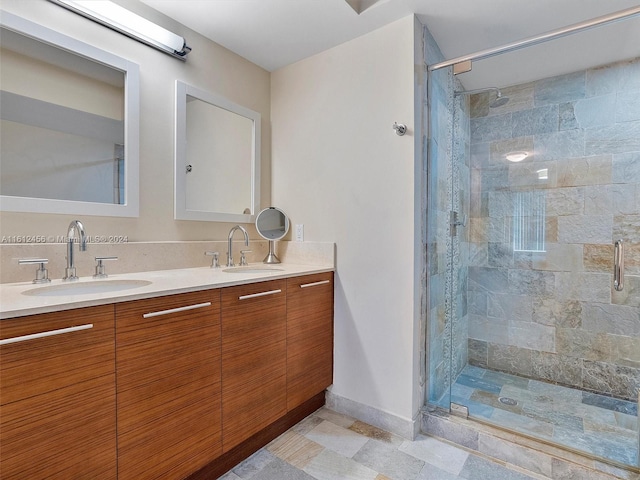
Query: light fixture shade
122	20
516	156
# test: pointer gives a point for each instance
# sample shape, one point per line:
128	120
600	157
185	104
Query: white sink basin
252	269
85	288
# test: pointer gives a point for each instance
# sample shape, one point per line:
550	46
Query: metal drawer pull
50	333
618	266
323	282
175	310
261	294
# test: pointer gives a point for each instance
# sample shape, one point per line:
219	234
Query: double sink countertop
26	298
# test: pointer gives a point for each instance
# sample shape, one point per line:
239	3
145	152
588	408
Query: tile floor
330	446
595	424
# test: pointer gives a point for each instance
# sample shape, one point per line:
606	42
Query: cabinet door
168	364
254	356
57	390
309	336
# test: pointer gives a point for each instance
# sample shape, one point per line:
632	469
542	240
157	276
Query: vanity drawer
57	387
168	364
309	336
254	354
53	350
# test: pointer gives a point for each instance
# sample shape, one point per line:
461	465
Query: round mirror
272	224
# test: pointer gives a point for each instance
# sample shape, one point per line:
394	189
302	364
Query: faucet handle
42	274
101	271
214	260
243	259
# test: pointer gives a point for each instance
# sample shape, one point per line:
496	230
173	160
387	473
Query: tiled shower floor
588	422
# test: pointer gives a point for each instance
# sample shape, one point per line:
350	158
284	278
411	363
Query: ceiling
275	33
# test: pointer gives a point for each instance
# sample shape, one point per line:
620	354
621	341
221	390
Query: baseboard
403	427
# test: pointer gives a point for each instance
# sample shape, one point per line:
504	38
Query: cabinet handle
314	284
49	333
175	310
261	294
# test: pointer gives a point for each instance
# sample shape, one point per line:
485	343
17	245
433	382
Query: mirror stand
271	257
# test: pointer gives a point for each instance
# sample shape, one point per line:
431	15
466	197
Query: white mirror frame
130	208
180	176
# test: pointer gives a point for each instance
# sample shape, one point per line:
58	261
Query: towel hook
400	128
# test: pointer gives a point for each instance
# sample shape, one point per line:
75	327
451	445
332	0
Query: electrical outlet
299	232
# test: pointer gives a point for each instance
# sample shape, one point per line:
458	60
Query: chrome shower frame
463	63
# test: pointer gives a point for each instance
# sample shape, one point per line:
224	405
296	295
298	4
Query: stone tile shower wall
448	180
544	307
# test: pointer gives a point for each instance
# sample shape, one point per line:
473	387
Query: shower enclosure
532	204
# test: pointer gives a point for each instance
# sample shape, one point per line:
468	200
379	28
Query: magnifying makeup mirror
272	224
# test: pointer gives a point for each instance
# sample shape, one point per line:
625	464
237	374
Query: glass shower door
447	239
437	244
526	329
553	346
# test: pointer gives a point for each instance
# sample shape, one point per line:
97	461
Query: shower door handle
618	265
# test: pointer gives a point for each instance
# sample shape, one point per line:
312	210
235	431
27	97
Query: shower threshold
595	424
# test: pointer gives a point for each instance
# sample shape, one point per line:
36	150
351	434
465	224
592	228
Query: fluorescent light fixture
122	20
516	156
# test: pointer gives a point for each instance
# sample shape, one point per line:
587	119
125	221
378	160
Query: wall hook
400	129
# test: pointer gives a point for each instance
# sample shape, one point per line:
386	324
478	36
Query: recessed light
516	156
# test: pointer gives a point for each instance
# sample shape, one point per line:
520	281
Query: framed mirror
69	124
217	158
272	224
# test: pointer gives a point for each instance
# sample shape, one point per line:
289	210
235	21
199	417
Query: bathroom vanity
171	379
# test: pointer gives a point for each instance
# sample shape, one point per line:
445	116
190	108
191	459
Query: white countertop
15	303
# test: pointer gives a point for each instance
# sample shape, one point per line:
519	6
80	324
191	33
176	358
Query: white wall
209	67
339	168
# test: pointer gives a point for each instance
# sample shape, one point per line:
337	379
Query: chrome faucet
70	271
246	243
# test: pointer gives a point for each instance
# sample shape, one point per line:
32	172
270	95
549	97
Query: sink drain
508	401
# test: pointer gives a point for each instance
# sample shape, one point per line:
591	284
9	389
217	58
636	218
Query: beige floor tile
295	449
333	417
336	438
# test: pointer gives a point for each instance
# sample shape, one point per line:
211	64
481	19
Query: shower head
497	102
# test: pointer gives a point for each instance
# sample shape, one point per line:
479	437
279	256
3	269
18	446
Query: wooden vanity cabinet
169	389
309	336
254	359
57	395
179	386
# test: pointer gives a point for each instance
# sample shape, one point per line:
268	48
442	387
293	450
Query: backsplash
149	256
